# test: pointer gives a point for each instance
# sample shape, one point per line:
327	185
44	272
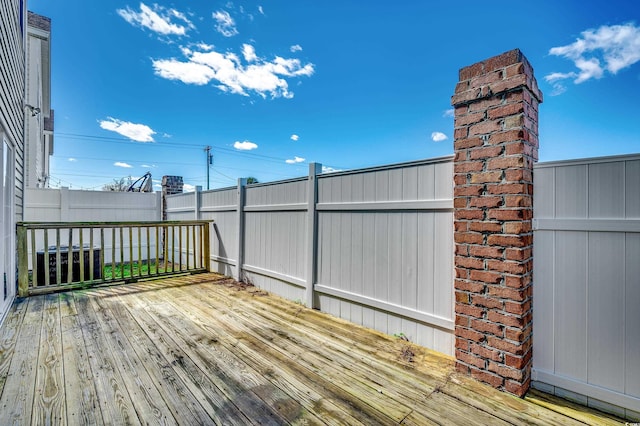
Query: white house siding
12	83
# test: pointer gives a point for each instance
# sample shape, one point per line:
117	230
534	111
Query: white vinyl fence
65	205
373	246
587	280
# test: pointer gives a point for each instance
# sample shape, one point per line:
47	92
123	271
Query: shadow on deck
203	349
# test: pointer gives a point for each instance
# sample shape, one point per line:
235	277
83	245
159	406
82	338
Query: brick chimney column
496	144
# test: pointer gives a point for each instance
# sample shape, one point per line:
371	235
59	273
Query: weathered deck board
204	350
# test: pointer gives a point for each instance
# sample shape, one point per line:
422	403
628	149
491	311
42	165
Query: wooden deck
204	350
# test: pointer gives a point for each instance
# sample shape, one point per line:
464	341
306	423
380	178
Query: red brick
487	327
485	79
500	214
461	109
483	251
517	81
466	96
506	110
515	361
517	295
465	120
485	276
468	214
459	180
520	148
517	200
486	177
470	334
471	287
517	308
517	334
485	127
508	188
462	249
463	321
508	241
509	267
490	378
471	359
462	368
460	202
469	262
468	72
487	302
502	163
462	297
469	190
517	282
462	273
467	143
506	372
514	69
486	202
462	86
472	311
517	253
460	226
460	133
502	345
472	166
517	175
485	226
517	388
468	237
486	353
484	104
508	320
503	60
487	152
506	136
462	344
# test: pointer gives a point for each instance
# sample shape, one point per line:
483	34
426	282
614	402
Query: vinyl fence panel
587	280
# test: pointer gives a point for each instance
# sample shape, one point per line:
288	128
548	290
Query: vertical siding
587	285
12	83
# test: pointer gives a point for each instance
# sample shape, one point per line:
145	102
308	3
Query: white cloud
225	24
244	146
121	164
249	53
296	48
133	131
449	112
295	160
157	19
204	46
261	10
608	48
72	160
258	75
295	137
188	188
327	169
438	137
149	166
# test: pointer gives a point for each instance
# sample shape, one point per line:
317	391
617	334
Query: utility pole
209	162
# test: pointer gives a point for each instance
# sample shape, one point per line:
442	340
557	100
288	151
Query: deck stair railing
64	255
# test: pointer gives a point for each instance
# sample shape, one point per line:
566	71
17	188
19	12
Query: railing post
242	182
23	261
206	253
312	232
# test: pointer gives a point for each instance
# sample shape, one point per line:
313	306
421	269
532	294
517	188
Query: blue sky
274	85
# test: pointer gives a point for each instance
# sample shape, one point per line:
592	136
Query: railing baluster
173	248
34	258
81	254
113	253
148	251
139	252
180	247
70	257
47	264
102	253
121	253
58	259
23	261
195	247
91	256
157	249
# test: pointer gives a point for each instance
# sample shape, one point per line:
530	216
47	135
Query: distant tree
251	179
118	185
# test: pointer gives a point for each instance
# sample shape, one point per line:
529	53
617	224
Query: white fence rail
587	280
373	246
65	205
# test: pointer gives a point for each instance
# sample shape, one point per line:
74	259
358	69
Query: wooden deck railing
59	255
